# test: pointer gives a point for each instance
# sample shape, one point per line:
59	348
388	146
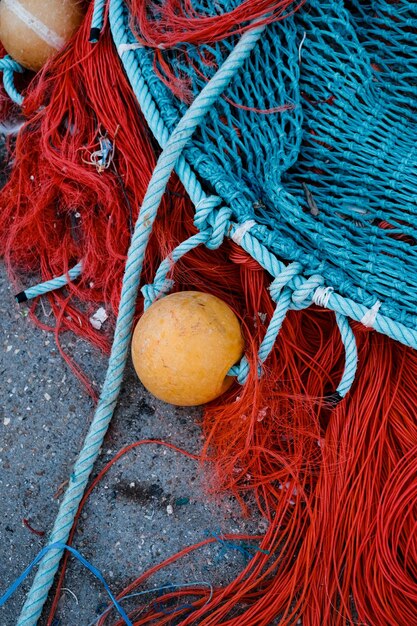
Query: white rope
322	295
125	47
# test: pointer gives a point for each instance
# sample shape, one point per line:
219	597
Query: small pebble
170	510
47	396
6	421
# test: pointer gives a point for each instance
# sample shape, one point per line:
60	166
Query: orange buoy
184	345
32	31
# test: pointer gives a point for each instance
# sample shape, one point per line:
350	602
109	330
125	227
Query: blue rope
61	547
351	355
111	388
97	20
50	285
161	285
9	67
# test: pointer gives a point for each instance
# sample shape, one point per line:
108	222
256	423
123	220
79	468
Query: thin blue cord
169	587
62	546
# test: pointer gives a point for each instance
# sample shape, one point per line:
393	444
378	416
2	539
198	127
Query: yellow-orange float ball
184	345
32	31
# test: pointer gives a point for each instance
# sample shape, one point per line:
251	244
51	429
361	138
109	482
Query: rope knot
241	371
156	290
220	225
303	296
204	210
283	279
208	217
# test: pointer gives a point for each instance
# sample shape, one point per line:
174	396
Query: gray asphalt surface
153	503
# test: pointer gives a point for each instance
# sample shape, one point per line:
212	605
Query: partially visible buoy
32	31
184	345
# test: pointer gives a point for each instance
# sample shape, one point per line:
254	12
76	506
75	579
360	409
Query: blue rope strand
351	355
61	547
50	285
97	20
161	285
111	388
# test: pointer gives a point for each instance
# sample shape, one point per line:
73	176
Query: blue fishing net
315	140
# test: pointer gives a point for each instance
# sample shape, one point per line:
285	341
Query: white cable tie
241	231
125	47
369	318
322	295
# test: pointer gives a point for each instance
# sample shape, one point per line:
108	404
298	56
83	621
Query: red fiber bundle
172	22
57	208
337	484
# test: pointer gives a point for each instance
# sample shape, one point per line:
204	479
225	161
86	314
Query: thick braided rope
337	303
9	67
351	355
82	469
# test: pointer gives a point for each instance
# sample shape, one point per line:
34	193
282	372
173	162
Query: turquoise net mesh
315	139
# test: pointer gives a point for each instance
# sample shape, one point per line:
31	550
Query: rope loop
241	371
209	217
204	210
220	224
7	63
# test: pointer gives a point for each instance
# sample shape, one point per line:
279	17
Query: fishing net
291	129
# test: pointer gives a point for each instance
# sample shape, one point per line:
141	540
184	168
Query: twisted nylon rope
50	285
97	20
9	67
88	455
